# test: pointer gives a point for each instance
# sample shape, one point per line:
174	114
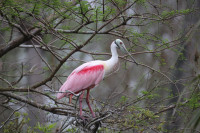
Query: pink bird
90	74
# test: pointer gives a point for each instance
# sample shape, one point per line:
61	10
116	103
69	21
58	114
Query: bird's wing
81	78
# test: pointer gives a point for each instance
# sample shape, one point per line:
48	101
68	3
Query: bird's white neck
112	63
113	49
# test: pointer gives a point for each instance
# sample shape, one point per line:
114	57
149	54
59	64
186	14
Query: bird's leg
80	102
88	103
70	98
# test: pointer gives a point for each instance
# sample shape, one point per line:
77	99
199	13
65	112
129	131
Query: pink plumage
85	77
81	78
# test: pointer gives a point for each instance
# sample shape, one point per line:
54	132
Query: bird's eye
120	43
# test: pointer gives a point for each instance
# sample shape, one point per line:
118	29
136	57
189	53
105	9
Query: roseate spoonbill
89	75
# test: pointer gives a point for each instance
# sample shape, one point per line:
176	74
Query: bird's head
120	45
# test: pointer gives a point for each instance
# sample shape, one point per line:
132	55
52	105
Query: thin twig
67	91
4	123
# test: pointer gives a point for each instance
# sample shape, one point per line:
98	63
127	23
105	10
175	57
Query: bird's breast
111	68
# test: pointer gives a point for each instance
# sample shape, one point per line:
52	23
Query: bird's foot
83	120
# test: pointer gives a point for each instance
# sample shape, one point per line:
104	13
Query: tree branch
16	42
54	109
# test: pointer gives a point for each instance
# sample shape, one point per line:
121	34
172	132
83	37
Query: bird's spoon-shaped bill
123	49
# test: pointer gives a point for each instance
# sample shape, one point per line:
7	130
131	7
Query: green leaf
144	92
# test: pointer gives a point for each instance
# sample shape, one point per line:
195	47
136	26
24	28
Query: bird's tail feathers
60	95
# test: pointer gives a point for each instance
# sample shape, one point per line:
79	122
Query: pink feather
82	78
